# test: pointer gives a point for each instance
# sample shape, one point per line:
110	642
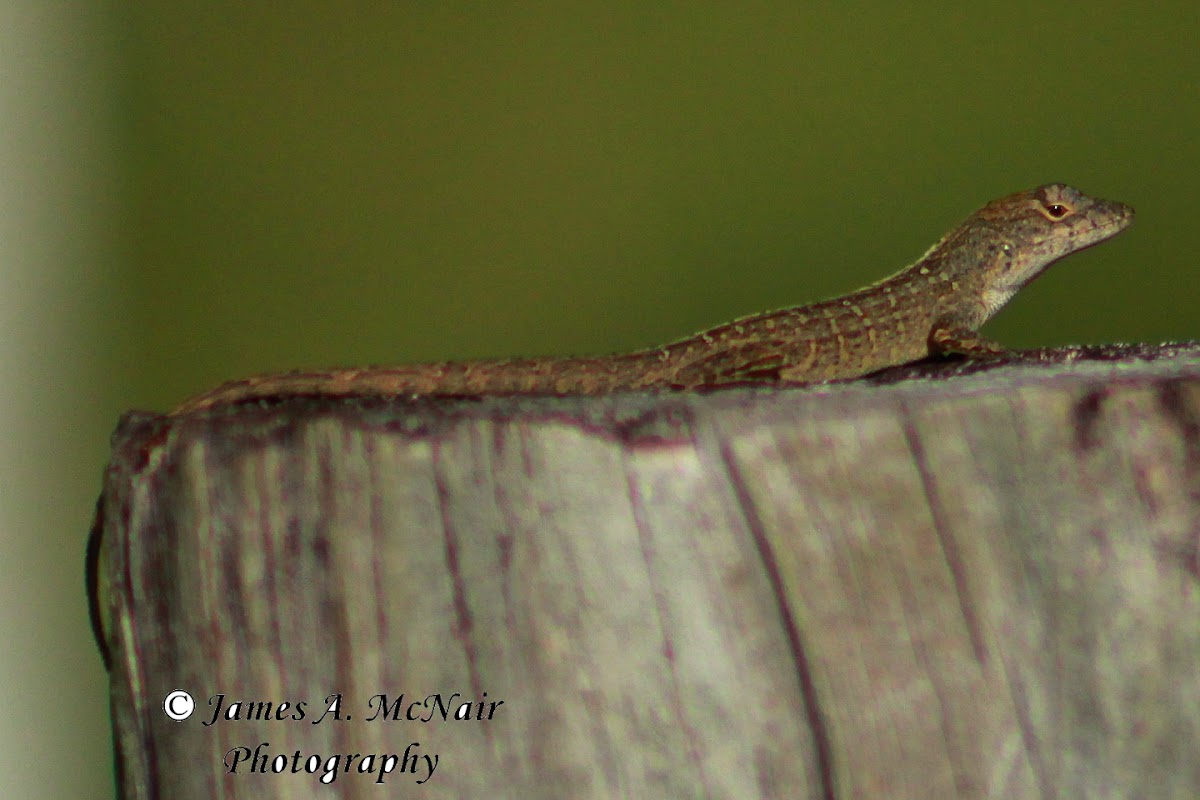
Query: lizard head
1022	234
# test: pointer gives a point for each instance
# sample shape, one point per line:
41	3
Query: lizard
934	306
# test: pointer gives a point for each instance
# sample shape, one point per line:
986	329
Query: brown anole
934	306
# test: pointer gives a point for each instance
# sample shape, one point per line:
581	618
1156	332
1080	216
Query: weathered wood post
980	587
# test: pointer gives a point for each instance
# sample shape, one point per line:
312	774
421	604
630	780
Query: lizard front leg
949	337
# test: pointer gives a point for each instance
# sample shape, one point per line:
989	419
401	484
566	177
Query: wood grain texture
980	587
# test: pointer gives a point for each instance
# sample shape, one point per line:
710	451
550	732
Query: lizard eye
1056	211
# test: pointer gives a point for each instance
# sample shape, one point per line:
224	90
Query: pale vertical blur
58	208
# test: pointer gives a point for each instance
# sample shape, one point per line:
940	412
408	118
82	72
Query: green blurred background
198	191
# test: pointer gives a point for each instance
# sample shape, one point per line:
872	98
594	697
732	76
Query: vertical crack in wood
660	612
1029	737
378	543
958	573
506	535
132	590
273	541
943	530
334	608
1024	439
817	723
945	536
462	611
